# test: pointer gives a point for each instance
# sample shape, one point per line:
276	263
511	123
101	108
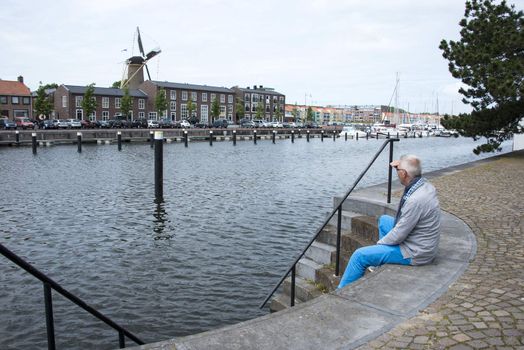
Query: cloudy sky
314	51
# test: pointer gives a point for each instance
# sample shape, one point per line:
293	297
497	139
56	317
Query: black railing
49	284
338	210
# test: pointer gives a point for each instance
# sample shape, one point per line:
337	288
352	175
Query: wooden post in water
159	166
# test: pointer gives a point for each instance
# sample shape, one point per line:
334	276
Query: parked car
182	124
200	125
102	124
276	125
152	123
246	123
166	123
24	123
312	125
49	124
220	123
7	124
259	123
139	123
63	124
118	123
74	123
87	124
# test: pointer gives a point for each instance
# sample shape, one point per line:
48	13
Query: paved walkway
484	308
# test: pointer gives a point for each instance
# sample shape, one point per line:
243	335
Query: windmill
135	66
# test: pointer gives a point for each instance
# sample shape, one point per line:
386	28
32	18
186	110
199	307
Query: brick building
15	99
273	101
201	95
68	103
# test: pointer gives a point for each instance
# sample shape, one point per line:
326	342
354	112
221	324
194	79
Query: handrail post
121	339
390	169
339	225
48	300
293	273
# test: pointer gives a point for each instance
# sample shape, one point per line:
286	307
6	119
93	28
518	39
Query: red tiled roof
14	88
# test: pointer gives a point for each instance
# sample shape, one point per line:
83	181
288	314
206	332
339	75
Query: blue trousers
375	255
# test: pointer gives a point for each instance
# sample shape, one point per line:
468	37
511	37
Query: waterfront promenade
482	309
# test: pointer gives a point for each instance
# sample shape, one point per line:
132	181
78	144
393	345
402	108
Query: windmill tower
135	66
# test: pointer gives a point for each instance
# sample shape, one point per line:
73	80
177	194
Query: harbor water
233	219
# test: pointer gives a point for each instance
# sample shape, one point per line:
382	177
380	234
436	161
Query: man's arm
408	220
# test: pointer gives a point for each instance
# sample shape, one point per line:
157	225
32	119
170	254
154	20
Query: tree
278	114
191	107
240	112
489	59
161	102
89	100
259	112
215	109
116	84
43	105
126	104
310	116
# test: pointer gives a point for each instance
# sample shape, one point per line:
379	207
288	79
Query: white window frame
92	117
117	102
194	96
172	105
152	115
79	114
141	103
222	111
229	98
204	97
183	111
105	115
141	115
204	114
213	97
173	115
78	101
222	98
173	95
64	101
105	102
184	95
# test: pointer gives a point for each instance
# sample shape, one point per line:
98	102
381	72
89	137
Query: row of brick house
67	101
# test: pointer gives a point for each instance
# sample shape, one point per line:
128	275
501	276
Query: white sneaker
372	268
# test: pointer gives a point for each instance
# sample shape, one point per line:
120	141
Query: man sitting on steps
410	238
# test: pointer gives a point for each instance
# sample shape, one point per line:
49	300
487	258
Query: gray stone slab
328	322
403	290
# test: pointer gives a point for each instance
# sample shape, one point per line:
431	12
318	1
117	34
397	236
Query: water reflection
161	224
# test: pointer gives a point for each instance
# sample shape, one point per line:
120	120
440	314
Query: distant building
273	102
15	99
68	103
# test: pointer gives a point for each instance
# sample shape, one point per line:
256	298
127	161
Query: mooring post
322	135
356	135
334	135
152	138
255	137
159	166
211	137
292	136
274	135
367	135
119	139
17	137
185	137
299	134
346	136
33	142
79	141
388	135
234	137
307	135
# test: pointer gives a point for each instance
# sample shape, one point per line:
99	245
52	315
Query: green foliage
489	59
126	104
89	101
278	114
116	84
259	112
240	112
215	108
50	86
191	107
295	113
310	116
161	102
42	106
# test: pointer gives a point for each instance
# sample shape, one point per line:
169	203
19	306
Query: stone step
365	227
304	289
321	253
326	277
281	301
306	268
347	216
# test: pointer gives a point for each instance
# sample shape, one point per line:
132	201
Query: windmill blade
147	70
139	39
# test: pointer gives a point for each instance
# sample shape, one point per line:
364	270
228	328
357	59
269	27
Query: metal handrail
338	209
51	284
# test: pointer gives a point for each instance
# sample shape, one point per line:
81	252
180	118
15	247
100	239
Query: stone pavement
484	308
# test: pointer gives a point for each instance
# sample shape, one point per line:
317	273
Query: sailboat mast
395	112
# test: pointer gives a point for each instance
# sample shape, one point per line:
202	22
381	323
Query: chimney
21	79
254	87
260	86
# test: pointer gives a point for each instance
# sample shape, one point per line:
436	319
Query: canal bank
470	297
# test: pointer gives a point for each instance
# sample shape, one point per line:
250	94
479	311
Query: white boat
352	132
